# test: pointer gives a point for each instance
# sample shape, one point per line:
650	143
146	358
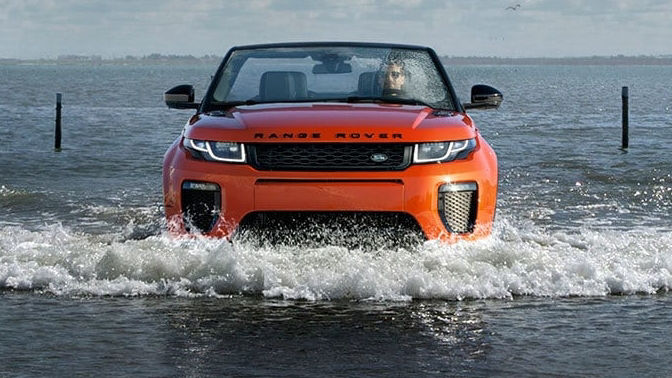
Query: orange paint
413	190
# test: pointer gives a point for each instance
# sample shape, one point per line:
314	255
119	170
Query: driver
393	78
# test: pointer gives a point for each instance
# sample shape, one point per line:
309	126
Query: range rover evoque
330	128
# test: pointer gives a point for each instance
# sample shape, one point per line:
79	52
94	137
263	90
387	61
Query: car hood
331	123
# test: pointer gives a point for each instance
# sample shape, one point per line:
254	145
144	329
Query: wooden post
625	137
57	131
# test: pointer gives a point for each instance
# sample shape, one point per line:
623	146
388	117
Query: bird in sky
513	7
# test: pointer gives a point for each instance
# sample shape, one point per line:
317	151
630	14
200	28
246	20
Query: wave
9	193
519	259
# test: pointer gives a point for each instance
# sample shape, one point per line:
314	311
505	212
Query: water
573	281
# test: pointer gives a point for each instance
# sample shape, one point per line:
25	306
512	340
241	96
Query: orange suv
331	128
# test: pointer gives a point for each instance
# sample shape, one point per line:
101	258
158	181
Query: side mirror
484	97
180	97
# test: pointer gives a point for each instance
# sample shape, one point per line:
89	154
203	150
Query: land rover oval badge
378	158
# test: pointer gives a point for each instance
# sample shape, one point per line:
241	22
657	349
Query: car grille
330	156
458	210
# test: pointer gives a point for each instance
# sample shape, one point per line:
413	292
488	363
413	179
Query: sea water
573	281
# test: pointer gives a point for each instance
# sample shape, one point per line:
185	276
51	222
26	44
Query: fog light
458	187
191	185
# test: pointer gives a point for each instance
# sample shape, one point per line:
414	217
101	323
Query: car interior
283	86
292	85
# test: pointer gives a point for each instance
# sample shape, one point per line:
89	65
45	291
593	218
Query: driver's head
394	75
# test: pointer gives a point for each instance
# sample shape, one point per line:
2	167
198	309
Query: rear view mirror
332	68
180	97
484	97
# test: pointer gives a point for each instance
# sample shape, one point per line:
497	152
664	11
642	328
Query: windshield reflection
330	74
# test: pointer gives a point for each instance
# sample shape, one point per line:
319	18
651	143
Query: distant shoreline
159	59
618	60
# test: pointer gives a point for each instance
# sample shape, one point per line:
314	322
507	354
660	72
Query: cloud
38	28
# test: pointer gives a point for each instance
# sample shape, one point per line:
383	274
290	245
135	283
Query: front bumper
420	191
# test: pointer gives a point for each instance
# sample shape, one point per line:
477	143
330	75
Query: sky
31	29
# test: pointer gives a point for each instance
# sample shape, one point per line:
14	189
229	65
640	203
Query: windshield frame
208	104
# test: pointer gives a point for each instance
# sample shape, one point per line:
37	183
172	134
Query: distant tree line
129	59
663	60
157	58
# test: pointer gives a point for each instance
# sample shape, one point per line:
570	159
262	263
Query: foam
9	193
519	259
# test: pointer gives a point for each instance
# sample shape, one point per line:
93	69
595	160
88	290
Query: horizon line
77	58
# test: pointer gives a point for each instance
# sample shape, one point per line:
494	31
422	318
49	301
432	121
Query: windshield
330	73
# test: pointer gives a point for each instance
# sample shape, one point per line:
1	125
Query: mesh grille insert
458	210
330	156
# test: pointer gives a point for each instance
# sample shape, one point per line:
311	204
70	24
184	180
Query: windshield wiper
388	100
222	107
354	99
349	99
231	104
407	101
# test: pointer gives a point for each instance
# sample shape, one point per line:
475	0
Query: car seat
283	86
369	84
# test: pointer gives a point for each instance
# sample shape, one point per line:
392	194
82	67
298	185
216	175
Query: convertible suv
328	129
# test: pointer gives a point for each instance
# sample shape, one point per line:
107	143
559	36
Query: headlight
215	151
443	151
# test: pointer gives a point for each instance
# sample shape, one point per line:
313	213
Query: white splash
516	260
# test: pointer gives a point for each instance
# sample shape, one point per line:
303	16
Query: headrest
283	85
368	84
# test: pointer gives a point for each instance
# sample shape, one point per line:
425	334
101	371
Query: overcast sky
537	28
